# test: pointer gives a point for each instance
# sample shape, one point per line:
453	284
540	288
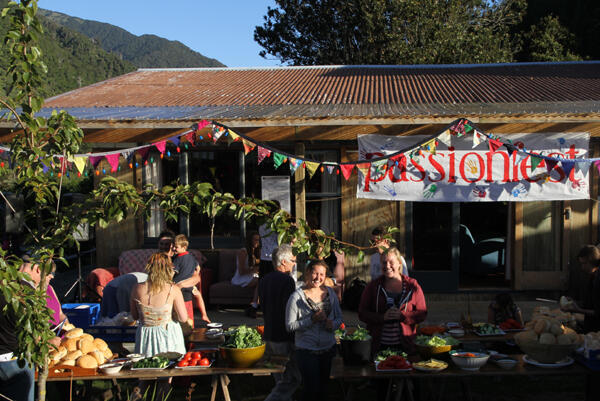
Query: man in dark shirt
274	290
589	258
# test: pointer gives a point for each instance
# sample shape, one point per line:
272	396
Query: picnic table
403	381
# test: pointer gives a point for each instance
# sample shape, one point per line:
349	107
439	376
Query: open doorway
482	244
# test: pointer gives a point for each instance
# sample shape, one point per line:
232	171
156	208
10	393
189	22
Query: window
323	196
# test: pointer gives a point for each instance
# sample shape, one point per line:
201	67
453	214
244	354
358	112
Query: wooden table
403	382
199	338
219	372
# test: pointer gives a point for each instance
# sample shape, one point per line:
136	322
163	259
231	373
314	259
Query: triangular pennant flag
494	144
550	163
363	168
311	167
476	139
79	162
346	170
175	140
218	132
597	164
213	170
380	166
161	146
94	160
535	161
567	166
510	149
113	160
248	146
429	146
278	159
459	128
445	138
62	163
127	154
468	128
583	166
233	135
202	124
262	153
294	164
143	152
190	136
330	169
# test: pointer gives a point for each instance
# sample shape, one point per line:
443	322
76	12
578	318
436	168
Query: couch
222	292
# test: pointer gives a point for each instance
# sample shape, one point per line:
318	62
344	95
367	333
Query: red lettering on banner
452	172
438	167
402	167
368	179
481	167
505	168
525	167
421	170
572	152
558	169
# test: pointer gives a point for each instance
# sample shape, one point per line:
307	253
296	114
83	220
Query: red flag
347	170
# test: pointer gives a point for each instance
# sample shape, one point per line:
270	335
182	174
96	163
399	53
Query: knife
546	300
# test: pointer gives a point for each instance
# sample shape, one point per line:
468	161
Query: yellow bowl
427	352
242	357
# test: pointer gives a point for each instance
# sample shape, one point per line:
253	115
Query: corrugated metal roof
340	92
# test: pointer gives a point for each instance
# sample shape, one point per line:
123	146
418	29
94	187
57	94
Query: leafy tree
309	32
548	40
50	225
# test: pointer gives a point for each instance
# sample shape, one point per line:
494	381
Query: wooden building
318	112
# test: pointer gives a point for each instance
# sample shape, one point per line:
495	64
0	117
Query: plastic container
356	352
114	334
82	315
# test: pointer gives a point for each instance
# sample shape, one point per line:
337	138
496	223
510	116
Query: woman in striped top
392	305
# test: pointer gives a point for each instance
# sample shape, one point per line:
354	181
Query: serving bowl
242	357
506	363
456	332
111	368
546	353
469	360
135	357
437	351
215	325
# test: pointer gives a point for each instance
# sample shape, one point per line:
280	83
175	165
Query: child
503	308
187	275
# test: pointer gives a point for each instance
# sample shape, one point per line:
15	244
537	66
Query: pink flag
262	153
161	146
94	160
113	160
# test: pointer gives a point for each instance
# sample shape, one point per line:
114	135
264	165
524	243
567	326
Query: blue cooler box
82	315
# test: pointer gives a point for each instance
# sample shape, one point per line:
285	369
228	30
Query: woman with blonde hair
153	303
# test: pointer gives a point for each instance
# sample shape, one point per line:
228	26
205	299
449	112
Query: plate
391	370
416	366
194	367
565	362
500	332
171	363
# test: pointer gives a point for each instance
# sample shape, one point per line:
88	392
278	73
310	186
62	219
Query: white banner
469	172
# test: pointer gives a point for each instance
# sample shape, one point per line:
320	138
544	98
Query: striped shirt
391	333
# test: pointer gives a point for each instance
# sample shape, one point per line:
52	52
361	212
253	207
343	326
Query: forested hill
141	51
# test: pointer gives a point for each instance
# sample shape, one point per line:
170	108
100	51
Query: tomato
197	355
204	362
342	326
194	362
187	356
183	363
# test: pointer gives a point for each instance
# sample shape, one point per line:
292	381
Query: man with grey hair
274	290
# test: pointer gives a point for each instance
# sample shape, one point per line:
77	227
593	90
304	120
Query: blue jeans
16	383
315	369
287	382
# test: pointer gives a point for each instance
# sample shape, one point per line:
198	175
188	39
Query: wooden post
300	188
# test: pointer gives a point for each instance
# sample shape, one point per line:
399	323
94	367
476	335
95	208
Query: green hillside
73	60
142	51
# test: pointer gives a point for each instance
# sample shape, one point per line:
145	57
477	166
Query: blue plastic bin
82	315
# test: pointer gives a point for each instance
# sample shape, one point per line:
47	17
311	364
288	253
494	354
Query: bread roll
100	344
108	354
59	354
87	336
99	356
73	355
542	326
70	344
547	338
556	329
67	362
86	346
87	361
563	339
75	333
527	337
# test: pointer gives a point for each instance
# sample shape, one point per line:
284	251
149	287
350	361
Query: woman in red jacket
392	305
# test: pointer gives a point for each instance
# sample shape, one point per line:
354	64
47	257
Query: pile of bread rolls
565	318
80	349
548	330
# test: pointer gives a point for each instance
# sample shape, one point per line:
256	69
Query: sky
220	29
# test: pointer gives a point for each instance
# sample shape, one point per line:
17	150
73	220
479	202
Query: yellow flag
79	162
311	167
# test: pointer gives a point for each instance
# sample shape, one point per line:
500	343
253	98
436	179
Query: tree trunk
212	233
41	384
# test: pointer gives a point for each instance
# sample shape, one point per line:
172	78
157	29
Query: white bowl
456	332
111	368
135	357
507	363
215	325
469	362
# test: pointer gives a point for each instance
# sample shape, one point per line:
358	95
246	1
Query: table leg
224	383
466	388
214	385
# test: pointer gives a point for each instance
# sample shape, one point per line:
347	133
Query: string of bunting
458	128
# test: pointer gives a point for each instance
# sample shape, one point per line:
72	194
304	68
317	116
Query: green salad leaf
360	334
435	341
382	355
243	337
155	362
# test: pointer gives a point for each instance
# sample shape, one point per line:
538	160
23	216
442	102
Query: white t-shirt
376	266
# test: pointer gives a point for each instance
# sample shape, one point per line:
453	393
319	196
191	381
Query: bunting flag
278	159
248	146
143	152
364	168
583	166
191	138
262	153
113	160
346	170
79	162
567	166
510	148
494	144
430	146
217	132
233	135
202	124
459	128
213	171
94	160
128	154
175	140
445	138
311	167
330	169
550	163
597	164
476	139
294	164
161	146
535	161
